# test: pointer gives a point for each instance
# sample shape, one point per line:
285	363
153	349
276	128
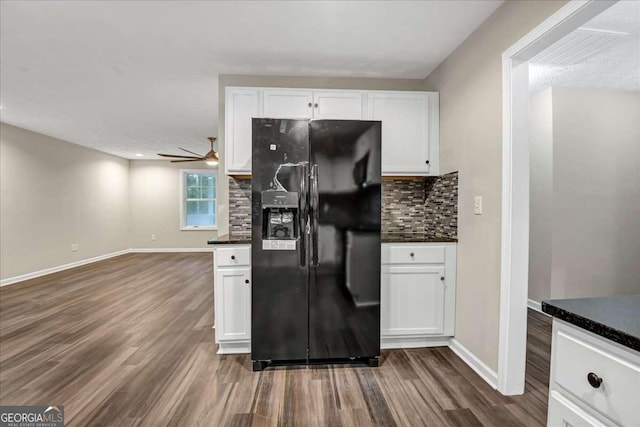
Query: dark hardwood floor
128	341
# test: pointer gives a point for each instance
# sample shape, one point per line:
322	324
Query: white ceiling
615	66
142	76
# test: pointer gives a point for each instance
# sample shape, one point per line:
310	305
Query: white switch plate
477	205
153	237
75	247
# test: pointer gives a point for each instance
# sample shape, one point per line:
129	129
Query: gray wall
541	186
585	210
54	194
292	82
470	86
155	206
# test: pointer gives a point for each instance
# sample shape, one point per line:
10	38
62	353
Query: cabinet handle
412	254
316	105
246	281
233	257
310	105
442	278
427	161
594	380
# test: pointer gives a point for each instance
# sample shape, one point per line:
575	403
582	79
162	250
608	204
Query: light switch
477	205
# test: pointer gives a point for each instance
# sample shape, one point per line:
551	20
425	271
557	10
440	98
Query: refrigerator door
279	189
345	200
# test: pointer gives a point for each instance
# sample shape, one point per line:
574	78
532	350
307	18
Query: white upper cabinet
338	104
287	104
410	127
409	131
242	104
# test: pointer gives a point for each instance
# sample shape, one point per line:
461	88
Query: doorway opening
567	38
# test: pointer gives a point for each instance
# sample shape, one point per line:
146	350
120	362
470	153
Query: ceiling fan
211	158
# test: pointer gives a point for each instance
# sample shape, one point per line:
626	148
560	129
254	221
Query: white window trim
181	200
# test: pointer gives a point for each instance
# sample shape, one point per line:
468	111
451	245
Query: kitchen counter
614	318
414	238
244	239
228	239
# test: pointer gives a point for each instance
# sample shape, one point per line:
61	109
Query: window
198	199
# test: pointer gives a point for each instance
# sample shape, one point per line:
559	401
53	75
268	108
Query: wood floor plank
463	417
129	342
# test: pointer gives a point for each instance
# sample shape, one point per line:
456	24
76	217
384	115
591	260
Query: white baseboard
535	305
388	342
485	372
162	250
33	275
241	347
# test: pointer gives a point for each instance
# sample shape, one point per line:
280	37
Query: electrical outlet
477	205
75	247
153	237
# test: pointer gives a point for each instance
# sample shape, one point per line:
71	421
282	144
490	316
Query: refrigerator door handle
314	215
303	220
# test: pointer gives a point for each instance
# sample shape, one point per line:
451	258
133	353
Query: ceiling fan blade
194	160
178	156
184	149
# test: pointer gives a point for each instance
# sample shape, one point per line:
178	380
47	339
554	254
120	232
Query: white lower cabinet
564	413
232	298
417	302
594	381
413	299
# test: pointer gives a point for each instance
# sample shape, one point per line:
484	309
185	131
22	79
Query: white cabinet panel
287	104
409	131
342	105
579	358
233	257
233	304
413	254
563	413
241	106
413	300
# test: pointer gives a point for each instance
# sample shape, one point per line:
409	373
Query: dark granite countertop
228	239
414	238
243	239
615	318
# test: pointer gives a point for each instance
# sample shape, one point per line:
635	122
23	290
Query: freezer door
279	264
345	200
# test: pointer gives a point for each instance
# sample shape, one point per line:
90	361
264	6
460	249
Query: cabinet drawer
618	395
564	413
231	257
407	254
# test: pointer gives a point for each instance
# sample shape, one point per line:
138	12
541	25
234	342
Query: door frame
515	185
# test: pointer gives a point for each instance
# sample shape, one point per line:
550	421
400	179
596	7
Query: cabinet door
339	105
287	104
563	412
233	304
240	107
405	131
412	300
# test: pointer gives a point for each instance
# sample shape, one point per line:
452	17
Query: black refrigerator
315	253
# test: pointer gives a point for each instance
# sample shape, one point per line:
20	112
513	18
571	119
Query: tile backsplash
239	206
403	205
441	206
420	205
